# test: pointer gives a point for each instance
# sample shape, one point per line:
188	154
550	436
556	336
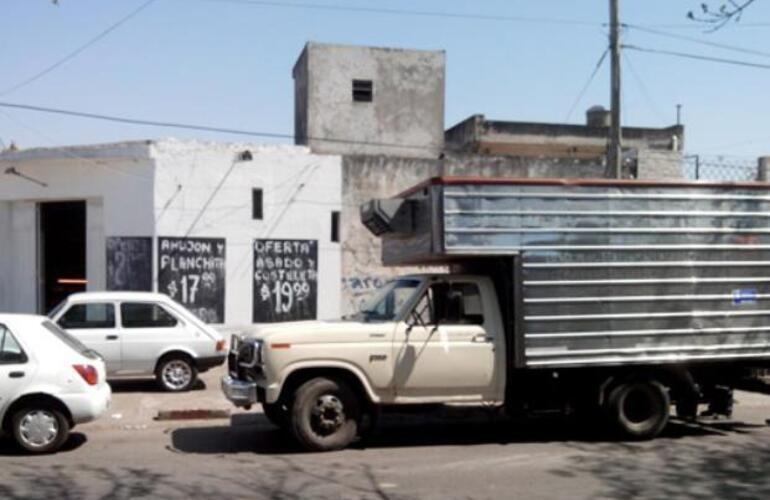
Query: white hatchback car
141	334
49	382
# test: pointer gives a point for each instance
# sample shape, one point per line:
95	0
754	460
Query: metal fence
719	168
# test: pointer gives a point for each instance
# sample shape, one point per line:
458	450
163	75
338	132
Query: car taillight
88	373
220	345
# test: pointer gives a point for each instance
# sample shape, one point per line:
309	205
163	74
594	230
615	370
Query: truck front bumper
239	392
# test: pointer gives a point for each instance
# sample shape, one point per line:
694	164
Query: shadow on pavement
146	385
253	433
725	468
8	447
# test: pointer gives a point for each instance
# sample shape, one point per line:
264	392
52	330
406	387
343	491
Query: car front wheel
40	429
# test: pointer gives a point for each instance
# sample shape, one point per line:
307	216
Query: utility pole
614	152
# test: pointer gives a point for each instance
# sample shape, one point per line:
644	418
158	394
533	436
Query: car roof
111	296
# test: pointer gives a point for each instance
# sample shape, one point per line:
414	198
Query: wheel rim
176	374
328	415
38	428
639	406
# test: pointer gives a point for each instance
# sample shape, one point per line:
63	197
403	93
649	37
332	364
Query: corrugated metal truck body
611	272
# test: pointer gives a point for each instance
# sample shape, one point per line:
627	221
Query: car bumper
239	392
88	406
204	364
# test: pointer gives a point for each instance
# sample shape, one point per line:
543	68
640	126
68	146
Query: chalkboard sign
192	272
129	263
285	280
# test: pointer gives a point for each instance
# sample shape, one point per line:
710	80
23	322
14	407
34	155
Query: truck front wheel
324	414
639	409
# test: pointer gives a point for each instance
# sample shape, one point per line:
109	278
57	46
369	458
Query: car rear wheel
176	373
40	429
325	415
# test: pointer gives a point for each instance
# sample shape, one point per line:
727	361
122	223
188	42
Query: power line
698	57
587	84
204	128
400	12
77	51
643	89
734	48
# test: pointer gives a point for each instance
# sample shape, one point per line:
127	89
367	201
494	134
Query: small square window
256	204
363	90
335	226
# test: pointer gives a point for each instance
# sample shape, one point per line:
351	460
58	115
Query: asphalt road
449	455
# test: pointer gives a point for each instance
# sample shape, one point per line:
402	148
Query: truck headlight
250	353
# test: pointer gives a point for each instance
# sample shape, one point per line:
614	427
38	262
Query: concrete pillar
763	168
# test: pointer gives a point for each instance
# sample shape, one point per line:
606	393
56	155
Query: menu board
192	272
129	263
285	280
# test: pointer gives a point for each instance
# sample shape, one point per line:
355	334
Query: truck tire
276	413
639	409
40	429
324	414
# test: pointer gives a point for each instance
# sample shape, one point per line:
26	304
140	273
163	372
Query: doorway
62	251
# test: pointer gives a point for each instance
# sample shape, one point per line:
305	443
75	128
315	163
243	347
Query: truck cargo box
611	271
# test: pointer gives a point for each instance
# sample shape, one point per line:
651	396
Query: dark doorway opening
62	250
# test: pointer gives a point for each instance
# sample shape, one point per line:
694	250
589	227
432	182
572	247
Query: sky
227	63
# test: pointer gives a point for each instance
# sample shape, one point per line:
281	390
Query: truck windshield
389	301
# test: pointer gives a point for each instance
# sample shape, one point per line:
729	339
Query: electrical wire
205	128
587	84
643	88
66	152
697	57
400	12
675	36
77	51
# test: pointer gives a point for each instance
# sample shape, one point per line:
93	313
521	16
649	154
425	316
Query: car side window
83	316
10	350
145	315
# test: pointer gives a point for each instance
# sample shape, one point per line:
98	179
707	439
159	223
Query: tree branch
716	18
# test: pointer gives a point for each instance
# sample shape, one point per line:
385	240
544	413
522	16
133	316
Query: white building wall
115	180
300	191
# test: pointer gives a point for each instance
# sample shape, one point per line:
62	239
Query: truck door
445	350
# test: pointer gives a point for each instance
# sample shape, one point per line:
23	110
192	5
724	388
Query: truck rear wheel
324	414
639	409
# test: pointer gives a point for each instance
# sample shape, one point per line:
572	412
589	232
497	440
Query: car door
148	329
15	368
93	323
446	349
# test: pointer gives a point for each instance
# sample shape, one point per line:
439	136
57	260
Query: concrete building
648	153
240	233
369	100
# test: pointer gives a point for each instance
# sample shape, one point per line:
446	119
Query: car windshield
53	312
389	301
70	340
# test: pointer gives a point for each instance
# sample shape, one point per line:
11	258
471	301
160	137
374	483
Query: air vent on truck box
388	216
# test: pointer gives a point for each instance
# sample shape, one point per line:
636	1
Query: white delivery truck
620	299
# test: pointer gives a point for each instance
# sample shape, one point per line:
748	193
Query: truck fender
329	364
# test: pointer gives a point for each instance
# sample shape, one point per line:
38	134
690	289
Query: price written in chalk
285	280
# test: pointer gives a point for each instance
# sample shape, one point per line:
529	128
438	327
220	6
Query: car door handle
482	337
16	374
111	337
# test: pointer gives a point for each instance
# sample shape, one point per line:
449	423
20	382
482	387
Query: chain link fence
719	168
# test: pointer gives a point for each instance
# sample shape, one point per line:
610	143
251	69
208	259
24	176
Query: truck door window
457	304
88	316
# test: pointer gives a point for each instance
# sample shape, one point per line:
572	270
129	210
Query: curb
191	414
